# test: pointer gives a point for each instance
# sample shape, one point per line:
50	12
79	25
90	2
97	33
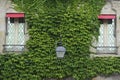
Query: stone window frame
14	20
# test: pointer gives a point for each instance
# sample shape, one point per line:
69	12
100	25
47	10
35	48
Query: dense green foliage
76	21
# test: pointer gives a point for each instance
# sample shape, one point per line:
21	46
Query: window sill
103	55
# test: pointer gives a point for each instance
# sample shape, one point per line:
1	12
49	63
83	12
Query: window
106	38
15	32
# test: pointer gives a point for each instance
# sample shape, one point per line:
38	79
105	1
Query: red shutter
106	16
15	15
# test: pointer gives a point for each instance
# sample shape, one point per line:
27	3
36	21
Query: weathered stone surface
4	6
112	77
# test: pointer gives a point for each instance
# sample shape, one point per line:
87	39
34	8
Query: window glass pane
109	21
11	20
21	20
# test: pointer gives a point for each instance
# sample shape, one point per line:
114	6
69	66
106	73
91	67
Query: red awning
106	16
15	15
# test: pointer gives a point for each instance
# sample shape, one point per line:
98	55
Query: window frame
105	22
20	20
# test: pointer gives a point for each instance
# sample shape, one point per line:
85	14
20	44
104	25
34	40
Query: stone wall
112	77
3	9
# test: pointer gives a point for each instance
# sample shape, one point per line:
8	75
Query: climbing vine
76	21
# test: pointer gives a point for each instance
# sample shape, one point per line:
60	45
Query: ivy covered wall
76	21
